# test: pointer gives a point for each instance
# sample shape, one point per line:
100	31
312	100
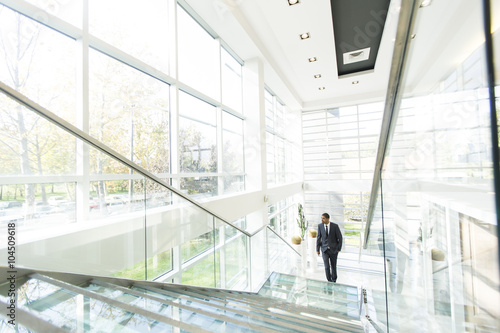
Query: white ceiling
270	29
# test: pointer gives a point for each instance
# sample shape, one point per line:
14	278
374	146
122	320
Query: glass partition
437	227
282	258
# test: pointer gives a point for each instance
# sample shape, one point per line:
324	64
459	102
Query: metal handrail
76	132
407	15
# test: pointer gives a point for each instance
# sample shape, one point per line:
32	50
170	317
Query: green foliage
163	265
301	221
353	241
202	274
351	226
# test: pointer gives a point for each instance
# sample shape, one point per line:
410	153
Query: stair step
325	318
340	298
263	319
294	321
107	314
202	317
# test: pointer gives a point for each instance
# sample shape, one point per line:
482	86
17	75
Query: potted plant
301	222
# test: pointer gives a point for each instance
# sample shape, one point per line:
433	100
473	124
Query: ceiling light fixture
305	35
317	76
321	88
413	36
293	2
425	3
313	59
355	82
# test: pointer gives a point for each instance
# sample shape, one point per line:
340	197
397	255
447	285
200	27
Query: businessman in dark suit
329	240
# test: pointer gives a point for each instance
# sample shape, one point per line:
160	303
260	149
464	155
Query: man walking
329	239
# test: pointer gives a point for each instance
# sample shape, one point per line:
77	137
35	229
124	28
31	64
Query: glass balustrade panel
440	229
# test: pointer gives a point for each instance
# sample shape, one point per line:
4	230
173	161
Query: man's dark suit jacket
334	237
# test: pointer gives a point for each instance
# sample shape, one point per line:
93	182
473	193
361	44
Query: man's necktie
326	227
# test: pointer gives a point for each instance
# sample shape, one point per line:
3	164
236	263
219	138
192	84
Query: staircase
61	302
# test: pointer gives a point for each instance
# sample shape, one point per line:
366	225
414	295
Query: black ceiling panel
358	26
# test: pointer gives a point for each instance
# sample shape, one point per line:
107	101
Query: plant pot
296	240
313	233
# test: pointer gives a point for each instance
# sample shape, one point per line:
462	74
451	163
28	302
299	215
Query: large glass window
112	83
198	56
342	140
276	141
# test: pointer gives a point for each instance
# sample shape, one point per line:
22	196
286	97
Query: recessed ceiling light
317	76
293	2
321	88
355	82
305	35
425	3
313	59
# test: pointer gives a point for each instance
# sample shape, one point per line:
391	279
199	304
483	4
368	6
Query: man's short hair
326	215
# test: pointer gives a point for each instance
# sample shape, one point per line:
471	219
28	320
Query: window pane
233	154
271	178
198	56
233	143
197	135
231	81
67	10
279	125
269	110
38	62
140	30
280	160
199	187
129	112
44	150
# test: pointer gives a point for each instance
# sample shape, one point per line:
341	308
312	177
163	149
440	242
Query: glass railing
77	206
435	222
